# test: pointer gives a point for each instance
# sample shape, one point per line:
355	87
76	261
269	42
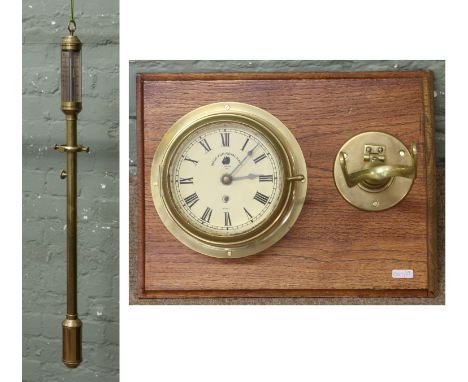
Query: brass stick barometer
71	106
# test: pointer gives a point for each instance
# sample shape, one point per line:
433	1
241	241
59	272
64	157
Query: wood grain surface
334	249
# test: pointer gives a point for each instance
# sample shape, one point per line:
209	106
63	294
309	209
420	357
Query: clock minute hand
249	154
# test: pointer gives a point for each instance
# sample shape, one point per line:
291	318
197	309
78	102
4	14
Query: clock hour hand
249	176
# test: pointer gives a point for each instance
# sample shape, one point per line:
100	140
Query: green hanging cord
72	23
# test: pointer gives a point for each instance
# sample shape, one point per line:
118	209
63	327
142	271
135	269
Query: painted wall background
44	193
437	66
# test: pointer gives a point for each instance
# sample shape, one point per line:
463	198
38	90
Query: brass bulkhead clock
228	180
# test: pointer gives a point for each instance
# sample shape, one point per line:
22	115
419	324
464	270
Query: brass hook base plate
396	153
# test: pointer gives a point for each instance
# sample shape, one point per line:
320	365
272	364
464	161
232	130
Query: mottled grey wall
44	212
438	67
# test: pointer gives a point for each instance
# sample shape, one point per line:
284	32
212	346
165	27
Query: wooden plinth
334	249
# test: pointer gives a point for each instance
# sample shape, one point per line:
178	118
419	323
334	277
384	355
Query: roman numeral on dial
205	145
227	219
186	181
207	214
248	213
259	158
265	178
245	144
191	160
191	199
259	197
225	139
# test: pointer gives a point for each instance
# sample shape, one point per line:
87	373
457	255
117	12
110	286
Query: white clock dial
226	178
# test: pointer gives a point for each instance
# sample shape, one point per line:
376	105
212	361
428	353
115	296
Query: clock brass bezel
281	219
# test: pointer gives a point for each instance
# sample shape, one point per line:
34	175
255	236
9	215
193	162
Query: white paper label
402	273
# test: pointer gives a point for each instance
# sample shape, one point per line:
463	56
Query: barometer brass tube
71	106
71	219
72	324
